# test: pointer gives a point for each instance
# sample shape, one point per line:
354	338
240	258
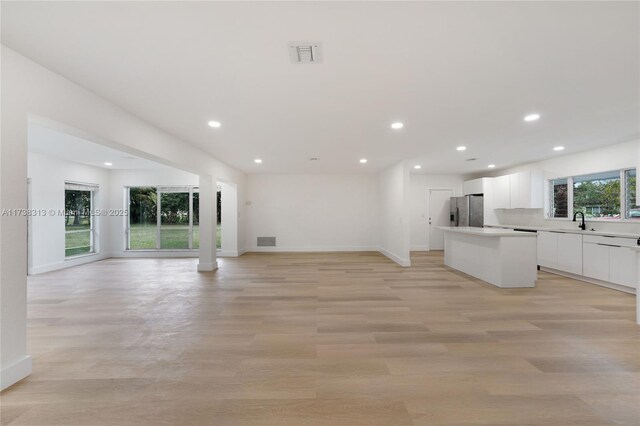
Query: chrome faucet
583	225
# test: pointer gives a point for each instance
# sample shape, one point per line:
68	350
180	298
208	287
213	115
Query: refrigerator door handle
457	216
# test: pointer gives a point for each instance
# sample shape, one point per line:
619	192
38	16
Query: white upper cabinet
531	186
515	191
475	186
524	190
502	192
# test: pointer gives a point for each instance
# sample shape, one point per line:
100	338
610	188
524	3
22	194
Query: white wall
612	157
394	207
313	212
47	234
32	92
419	195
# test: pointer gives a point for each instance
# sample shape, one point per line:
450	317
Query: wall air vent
266	241
305	53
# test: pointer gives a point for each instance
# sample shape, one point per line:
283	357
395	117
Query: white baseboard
207	267
311	249
80	260
242	251
419	248
15	372
228	253
400	261
588	280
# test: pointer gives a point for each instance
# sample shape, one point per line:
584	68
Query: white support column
15	364
229	220
208	217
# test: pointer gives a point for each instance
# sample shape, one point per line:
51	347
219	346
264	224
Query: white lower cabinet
623	266
610	259
570	253
561	251
548	249
595	261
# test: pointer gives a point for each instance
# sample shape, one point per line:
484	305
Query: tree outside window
597	195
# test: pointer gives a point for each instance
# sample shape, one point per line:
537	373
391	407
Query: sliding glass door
174	219
143	219
163	218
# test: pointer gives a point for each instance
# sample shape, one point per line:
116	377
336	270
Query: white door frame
429	190
29	230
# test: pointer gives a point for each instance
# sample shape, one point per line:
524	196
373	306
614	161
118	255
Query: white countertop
566	230
486	232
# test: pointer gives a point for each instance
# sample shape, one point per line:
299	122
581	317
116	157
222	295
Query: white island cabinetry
504	258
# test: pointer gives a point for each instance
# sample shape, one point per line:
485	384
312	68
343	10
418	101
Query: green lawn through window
143	237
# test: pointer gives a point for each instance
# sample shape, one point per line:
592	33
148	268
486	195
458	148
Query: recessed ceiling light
417	166
397	125
491	166
461	148
258	161
108	164
558	148
214	124
532	117
363	160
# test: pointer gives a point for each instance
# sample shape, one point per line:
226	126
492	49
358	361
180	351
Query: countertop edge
480	233
566	231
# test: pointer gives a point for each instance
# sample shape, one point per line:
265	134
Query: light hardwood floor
332	339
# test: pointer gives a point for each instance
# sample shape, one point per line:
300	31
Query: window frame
570	210
623	195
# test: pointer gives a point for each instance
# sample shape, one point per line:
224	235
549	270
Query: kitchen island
502	257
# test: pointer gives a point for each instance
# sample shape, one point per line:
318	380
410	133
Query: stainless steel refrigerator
467	211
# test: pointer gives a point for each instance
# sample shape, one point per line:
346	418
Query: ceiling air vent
305	53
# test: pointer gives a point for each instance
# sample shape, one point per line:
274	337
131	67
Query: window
597	195
163	218
631	210
602	196
559	198
78	227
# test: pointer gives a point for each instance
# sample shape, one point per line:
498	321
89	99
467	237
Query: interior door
438	216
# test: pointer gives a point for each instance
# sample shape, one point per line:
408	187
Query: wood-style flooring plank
322	339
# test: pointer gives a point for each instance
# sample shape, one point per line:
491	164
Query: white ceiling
61	145
456	73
